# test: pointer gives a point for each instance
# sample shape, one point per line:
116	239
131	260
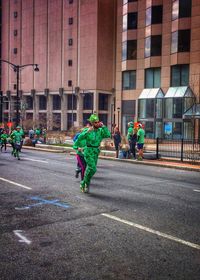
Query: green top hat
93	118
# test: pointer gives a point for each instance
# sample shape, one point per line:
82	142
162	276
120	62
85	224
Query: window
15	32
130	21
104	118
177	108
173	108
15	50
153	45
42	120
128	107
154	15
70	1
69	62
56	102
149	129
69	83
88	101
128	80
56	121
15	14
42	102
103	101
70	42
71	102
181	9
129	50
180	41
152	77
150	108
128	1
70	21
29	102
179	75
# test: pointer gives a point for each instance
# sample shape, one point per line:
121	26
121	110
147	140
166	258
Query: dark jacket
117	138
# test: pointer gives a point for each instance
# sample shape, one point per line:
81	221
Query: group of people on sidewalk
15	138
87	146
126	146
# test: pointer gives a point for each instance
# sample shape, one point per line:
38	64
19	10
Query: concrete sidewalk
110	155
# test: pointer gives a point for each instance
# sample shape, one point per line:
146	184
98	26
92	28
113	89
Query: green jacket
130	132
4	137
92	138
16	136
141	135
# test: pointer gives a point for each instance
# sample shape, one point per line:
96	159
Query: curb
166	163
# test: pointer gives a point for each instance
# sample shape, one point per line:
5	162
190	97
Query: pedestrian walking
117	140
140	141
4	137
16	137
93	137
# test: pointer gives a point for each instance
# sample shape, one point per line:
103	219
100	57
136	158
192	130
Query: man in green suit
93	136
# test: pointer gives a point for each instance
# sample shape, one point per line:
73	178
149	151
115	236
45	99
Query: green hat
93	118
18	126
131	124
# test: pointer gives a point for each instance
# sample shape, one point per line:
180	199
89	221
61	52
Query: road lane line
38	160
158	233
196	190
22	239
14	183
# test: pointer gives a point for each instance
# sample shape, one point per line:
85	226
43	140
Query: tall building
123	59
72	42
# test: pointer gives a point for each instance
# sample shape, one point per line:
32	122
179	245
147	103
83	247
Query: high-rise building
72	42
123	59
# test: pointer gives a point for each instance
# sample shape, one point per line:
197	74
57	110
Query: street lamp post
17	69
118	110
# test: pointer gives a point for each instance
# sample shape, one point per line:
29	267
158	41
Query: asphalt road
138	222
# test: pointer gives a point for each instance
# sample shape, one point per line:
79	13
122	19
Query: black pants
132	148
3	145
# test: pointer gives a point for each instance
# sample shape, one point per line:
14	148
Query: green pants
91	158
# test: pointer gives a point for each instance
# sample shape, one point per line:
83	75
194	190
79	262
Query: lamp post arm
6	61
30	64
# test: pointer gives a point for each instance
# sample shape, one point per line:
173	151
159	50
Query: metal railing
182	149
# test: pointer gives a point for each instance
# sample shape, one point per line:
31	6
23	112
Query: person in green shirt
17	138
140	141
4	137
92	136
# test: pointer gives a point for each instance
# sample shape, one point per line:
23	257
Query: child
124	148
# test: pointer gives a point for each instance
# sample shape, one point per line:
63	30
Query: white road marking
22	239
158	233
14	183
196	190
38	160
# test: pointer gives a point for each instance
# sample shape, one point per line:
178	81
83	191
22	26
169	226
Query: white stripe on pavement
14	183
22	238
39	160
196	190
158	233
